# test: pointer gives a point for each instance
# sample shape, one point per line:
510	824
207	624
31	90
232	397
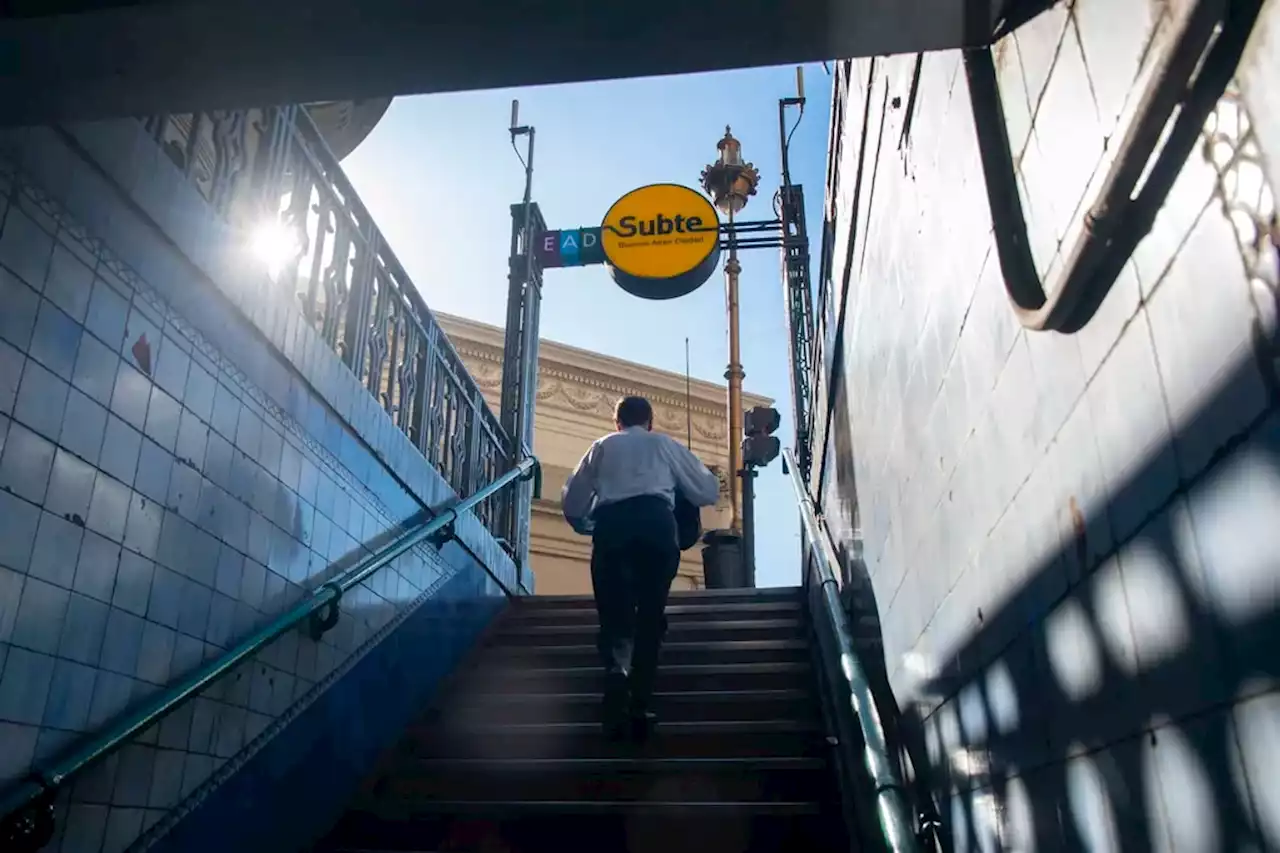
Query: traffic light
759	445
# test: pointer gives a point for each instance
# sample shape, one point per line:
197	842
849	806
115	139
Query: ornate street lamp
730	182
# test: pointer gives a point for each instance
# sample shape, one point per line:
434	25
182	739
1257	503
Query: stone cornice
482	343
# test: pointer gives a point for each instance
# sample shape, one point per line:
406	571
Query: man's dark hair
633	411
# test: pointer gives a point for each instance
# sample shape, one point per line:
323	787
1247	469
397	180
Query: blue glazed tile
123	828
142	530
133	584
230	571
121	446
55	340
217	461
226	412
57	550
204	720
111	696
157	653
131	395
19	522
97	567
95	370
24	686
17	749
197	770
107	316
166	784
86	828
70	487
175	729
222	613
193	613
188	653
172	368
84	426
253	584
166	597
25	248
109	507
199	393
26	464
84	630
122	645
11	584
162	419
69	283
155	469
134	775
70	696
42	401
184	492
20	306
193	437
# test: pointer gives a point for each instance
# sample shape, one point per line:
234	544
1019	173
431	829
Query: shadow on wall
1134	707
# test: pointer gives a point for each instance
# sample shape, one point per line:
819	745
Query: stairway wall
1071	538
181	459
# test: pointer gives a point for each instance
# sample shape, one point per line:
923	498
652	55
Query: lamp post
730	181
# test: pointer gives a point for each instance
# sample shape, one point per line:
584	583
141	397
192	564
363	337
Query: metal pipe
734	375
1188	81
42	783
892	805
749	527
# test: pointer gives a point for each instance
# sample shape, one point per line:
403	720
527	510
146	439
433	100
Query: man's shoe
642	724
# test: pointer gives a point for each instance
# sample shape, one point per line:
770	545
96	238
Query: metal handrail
26	812
892	805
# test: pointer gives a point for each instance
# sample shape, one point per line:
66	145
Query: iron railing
272	175
27	812
862	745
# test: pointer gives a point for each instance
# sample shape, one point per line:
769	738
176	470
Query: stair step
639	828
685	706
524	614
698	598
613	779
401	811
687	631
718	739
671	678
673	653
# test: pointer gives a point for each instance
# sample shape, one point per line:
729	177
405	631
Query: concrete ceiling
83	59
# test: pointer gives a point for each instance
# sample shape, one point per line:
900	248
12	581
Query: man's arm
699	486
580	490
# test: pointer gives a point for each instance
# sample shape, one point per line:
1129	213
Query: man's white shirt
635	462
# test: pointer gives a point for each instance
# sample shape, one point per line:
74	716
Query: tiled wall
1072	538
179	461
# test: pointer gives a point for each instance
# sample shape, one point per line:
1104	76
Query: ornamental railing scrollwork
272	175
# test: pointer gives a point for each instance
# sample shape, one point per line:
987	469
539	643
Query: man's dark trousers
634	557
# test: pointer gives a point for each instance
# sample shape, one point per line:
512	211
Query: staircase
512	757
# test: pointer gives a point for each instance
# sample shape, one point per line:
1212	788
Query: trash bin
722	566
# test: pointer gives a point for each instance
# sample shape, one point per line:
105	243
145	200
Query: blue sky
438	174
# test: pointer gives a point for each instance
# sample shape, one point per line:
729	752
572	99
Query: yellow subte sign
661	241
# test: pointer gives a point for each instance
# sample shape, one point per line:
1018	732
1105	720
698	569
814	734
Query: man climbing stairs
511	757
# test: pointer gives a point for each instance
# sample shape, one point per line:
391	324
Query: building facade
577	390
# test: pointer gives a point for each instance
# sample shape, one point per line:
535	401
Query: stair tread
678	646
626	763
687	727
677	628
661	697
594	668
514	807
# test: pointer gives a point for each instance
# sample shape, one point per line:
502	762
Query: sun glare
274	245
